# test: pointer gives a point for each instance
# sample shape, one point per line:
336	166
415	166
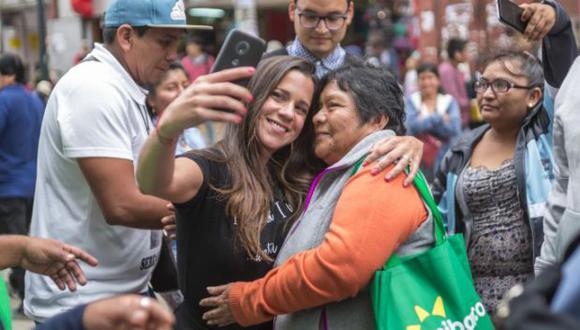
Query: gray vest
309	231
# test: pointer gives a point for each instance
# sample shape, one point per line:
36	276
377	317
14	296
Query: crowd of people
119	195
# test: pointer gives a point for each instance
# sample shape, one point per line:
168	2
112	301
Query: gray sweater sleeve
562	212
556	203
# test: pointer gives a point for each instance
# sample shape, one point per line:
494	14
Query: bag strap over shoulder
422	187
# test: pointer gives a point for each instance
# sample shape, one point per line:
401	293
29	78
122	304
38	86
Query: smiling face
337	124
147	57
282	116
320	41
511	107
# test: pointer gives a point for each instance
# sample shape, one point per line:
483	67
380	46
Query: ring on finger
144	302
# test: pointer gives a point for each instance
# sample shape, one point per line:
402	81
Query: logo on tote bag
469	322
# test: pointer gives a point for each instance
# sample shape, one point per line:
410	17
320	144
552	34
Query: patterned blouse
500	250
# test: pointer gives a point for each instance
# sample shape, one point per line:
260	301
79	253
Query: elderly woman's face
507	107
337	125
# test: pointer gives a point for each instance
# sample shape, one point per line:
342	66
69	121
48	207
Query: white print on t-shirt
271	249
148	262
280	209
270	217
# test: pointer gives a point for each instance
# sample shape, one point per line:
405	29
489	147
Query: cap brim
183	26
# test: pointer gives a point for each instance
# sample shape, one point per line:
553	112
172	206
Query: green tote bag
432	290
5	318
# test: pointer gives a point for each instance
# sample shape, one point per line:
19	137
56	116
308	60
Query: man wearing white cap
94	125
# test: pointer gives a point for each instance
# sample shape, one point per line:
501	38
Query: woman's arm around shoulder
371	219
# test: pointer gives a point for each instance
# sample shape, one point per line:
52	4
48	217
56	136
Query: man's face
149	56
320	40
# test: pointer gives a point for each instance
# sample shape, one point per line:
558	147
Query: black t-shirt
207	251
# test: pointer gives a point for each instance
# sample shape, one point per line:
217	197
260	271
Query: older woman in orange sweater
352	223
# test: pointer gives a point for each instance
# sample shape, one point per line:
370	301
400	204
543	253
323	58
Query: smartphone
510	14
239	49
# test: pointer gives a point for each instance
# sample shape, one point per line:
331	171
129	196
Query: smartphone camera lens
242	48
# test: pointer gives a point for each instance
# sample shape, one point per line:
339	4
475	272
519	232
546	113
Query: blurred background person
410	84
20	118
379	52
453	79
163	92
433	117
196	61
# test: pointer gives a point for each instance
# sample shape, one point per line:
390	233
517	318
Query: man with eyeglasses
320	26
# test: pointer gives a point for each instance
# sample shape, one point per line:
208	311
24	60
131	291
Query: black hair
11	64
375	92
529	65
428	67
455	45
110	33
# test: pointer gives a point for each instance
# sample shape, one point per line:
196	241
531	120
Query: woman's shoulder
210	160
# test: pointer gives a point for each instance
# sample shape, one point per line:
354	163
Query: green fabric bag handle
421	184
438	227
423	188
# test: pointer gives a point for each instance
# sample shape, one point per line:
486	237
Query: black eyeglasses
310	20
497	85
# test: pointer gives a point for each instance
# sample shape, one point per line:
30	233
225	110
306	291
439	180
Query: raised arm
550	23
179	180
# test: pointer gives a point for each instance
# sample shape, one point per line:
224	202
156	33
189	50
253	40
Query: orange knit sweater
372	218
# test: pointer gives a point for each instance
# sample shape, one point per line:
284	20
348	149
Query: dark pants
15	214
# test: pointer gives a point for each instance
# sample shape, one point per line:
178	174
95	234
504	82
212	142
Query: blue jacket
20	118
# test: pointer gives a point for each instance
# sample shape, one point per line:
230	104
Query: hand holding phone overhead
533	20
541	18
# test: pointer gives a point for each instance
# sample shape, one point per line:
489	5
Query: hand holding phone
511	14
239	49
541	18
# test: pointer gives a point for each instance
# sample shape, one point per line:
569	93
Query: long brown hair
291	168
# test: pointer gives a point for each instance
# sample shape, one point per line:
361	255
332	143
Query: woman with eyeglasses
475	182
493	182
